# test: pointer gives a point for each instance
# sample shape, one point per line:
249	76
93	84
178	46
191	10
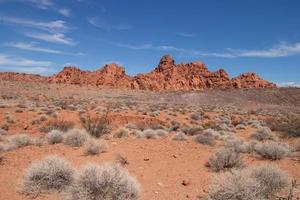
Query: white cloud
185	34
101	23
281	50
42	4
10	63
54	38
169	48
53	26
21	62
289	84
65	12
33	47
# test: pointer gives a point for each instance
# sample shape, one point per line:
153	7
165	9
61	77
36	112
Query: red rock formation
166	76
22	77
251	80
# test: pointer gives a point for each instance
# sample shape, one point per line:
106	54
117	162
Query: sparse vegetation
95	146
75	137
272	150
225	159
95	125
57	124
180	136
55	137
257	183
207	139
50	174
263	134
103	182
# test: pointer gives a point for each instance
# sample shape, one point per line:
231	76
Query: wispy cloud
33	47
51	37
10	63
42	4
65	12
53	26
169	48
185	34
282	50
103	24
289	84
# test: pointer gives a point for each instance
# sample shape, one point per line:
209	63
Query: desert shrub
22	140
61	125
272	150
97	125
149	134
180	136
262	134
256	183
94	146
131	126
175	125
121	133
75	137
50	174
225	159
161	132
289	125
103	182
271	178
240	127
206	139
240	146
2	131
234	186
195	116
55	137
192	130
121	160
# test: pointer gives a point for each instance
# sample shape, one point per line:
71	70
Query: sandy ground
161	165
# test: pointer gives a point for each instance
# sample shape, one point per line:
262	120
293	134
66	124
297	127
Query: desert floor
165	168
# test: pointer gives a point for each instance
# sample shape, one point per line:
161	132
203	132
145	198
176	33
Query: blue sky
41	36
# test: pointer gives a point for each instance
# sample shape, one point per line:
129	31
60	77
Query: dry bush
55	137
148	134
75	137
263	134
22	140
57	124
271	178
207	139
96	125
180	136
2	131
272	150
225	159
289	125
256	183
193	130
121	133
103	182
94	146
50	174
161	132
240	146
121	160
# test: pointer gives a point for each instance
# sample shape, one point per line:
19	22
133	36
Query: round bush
55	137
51	173
75	137
103	182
